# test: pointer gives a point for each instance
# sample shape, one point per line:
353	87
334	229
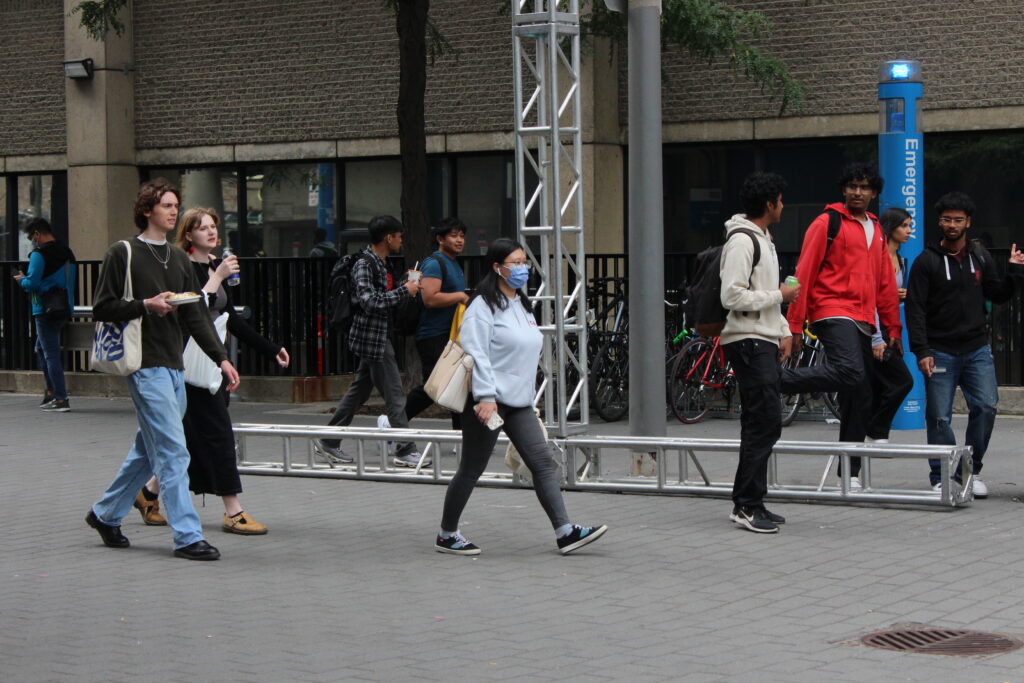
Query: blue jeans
975	374
48	351
159	448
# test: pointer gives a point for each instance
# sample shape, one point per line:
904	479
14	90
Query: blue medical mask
517	276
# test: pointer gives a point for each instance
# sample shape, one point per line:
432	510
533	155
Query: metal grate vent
941	641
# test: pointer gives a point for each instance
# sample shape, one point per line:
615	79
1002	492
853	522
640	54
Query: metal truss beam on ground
549	196
588	463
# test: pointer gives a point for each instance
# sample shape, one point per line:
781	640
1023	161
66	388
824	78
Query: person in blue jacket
51	265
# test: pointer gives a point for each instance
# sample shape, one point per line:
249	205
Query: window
286	204
28	196
485	200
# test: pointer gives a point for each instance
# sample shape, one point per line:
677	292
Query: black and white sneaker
57	405
778	519
456	545
579	537
48	398
754	519
330	454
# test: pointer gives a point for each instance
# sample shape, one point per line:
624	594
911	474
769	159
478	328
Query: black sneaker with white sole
778	519
754	519
579	537
455	544
57	405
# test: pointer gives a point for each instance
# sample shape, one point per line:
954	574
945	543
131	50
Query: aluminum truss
549	196
587	462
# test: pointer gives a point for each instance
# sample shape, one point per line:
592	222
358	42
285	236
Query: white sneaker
868	439
383	422
937	487
980	490
855	484
412	460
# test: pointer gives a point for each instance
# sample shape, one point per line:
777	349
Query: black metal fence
287	299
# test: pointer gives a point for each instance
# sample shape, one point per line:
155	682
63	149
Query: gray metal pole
646	224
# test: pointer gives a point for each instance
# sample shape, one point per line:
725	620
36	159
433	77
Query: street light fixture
78	68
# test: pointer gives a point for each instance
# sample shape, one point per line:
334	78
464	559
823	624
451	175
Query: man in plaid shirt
374	298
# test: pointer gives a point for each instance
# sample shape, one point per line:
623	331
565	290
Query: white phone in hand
494	422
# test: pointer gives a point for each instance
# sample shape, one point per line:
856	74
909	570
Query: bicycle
699	374
812	355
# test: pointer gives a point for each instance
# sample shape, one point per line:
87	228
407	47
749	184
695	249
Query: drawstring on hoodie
946	261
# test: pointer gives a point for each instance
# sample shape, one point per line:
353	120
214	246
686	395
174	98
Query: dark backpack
835	221
706	312
340	288
410	309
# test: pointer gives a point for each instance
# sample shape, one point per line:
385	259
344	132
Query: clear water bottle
234	279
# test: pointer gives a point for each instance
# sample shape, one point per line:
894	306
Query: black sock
149	495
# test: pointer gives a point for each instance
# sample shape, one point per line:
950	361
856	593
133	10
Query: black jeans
430	349
849	370
756	364
890	384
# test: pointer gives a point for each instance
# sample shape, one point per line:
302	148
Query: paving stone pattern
347	587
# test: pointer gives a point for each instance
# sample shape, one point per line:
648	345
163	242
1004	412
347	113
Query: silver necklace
162	261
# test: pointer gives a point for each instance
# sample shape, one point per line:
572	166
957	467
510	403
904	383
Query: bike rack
581	459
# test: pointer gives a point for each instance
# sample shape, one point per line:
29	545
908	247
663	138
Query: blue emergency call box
901	163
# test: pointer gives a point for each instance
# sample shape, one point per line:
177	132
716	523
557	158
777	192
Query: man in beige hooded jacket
755	338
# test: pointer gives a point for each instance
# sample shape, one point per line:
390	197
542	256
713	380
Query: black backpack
340	288
410	309
705	311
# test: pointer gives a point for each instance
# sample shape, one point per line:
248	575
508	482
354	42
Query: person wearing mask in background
213	462
945	310
51	265
755	339
890	381
443	288
500	333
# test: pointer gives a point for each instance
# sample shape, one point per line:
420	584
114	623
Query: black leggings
523	428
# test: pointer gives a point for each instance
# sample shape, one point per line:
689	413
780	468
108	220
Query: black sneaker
579	537
47	398
754	519
456	545
57	405
778	519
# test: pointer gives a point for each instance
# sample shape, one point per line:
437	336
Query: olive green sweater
161	335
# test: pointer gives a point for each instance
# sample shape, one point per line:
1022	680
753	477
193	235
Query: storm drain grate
941	641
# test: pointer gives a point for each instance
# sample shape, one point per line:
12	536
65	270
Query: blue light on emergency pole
901	162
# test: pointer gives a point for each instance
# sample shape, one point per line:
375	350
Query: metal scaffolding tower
549	196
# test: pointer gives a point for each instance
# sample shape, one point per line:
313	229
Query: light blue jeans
975	374
159	448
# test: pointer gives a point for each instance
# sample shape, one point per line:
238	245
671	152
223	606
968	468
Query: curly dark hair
955	201
758	189
149	196
858	170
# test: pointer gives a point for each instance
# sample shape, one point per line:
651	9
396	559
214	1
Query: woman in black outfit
211	441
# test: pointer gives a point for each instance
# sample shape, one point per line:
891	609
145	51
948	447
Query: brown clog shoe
150	510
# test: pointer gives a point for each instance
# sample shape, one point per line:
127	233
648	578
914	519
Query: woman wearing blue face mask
500	333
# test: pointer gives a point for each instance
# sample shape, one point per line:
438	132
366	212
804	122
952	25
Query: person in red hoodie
842	284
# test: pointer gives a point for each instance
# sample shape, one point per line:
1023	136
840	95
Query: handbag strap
128	293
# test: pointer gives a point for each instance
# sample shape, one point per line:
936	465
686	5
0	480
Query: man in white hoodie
755	338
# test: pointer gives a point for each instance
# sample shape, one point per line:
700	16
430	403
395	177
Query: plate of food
183	298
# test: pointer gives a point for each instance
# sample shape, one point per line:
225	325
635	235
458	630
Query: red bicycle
699	375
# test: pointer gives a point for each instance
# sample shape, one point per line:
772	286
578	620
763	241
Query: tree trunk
412	135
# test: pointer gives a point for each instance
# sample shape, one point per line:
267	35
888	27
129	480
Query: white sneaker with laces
980	490
383	422
855	484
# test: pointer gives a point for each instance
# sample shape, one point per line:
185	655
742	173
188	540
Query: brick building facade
232	86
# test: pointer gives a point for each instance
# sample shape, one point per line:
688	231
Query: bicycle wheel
610	396
690	397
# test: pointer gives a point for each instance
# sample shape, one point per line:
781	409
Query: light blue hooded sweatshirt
505	346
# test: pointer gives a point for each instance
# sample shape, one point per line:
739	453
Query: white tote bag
200	371
449	382
117	347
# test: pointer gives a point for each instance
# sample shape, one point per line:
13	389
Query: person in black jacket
945	311
213	467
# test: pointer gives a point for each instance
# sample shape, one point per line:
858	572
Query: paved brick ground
347	587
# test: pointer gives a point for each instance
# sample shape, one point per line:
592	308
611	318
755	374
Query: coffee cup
414	276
